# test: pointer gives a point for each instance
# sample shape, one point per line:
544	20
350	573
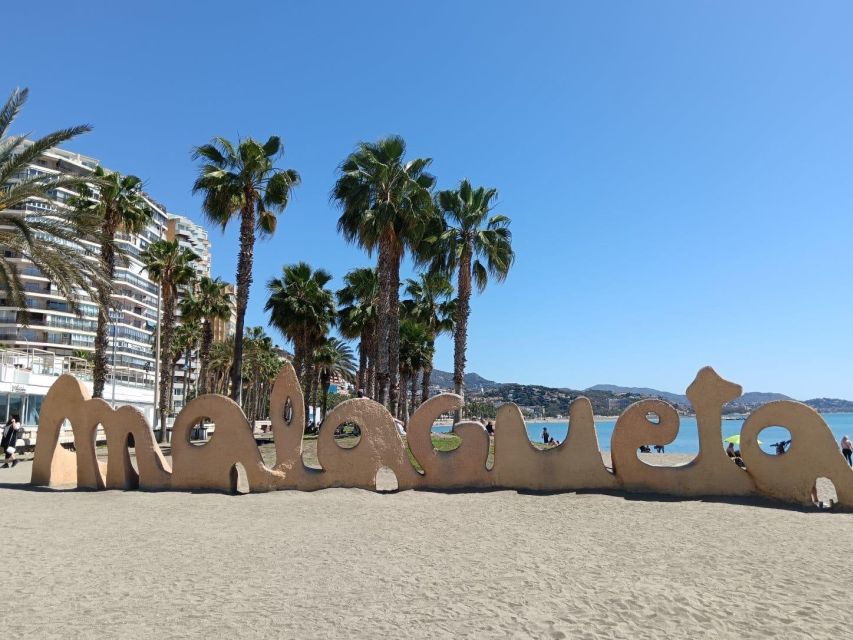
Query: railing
136	281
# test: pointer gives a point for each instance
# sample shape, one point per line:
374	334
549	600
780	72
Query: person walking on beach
847	449
8	440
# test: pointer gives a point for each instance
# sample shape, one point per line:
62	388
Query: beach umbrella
736	439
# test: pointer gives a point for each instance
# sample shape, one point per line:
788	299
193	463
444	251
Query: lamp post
115	317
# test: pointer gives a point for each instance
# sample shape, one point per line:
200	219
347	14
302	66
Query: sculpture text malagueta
575	464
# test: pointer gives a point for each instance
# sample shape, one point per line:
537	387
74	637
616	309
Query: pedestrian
7	442
546	437
847	449
780	446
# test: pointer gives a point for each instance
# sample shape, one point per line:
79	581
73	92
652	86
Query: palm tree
219	366
333	359
387	207
261	365
209	302
303	310
186	341
81	355
51	240
357	312
415	349
477	246
430	304
170	266
119	205
243	182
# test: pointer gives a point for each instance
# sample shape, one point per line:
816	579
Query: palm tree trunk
300	365
172	387
324	383
314	396
427	373
460	336
363	346
394	336
244	282
256	406
371	364
99	372
414	394
204	356
297	362
166	356
187	369
383	375
403	400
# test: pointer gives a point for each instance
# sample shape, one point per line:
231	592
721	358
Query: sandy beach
354	564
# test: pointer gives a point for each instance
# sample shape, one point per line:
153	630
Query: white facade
54	329
26	377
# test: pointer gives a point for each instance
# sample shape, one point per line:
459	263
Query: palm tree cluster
261	364
207	301
54	239
303	309
389	206
219	362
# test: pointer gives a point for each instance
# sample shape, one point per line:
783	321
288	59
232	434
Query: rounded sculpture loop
791	477
575	464
465	466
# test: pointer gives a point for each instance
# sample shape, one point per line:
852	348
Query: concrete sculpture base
575	464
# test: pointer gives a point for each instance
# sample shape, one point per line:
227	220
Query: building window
31	417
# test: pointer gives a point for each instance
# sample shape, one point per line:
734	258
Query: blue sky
679	174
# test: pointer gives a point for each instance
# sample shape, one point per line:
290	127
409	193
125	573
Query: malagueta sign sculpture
576	464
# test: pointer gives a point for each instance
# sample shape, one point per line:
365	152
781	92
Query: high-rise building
193	237
223	329
56	333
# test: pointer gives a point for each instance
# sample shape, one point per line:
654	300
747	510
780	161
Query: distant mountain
674	398
746	402
609	398
444	380
830	405
757	397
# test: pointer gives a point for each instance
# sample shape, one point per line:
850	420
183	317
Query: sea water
687	440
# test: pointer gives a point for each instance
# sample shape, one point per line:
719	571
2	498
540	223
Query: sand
353	564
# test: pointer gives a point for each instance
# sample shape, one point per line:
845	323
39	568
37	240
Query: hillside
607	399
473	381
674	398
830	405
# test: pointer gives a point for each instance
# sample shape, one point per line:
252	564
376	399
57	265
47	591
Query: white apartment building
54	329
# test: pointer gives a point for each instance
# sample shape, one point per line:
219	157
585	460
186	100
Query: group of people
8	441
659	448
